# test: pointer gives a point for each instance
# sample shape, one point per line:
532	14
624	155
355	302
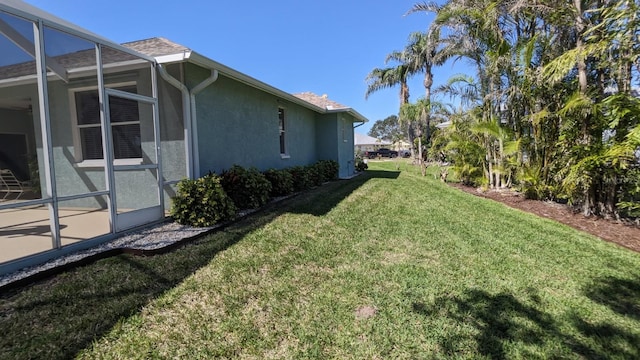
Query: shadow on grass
58	317
492	324
620	295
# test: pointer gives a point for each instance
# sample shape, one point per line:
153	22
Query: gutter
349	111
189	115
203	61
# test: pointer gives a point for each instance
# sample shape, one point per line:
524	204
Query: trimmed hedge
315	174
202	202
327	169
281	182
211	199
248	188
301	178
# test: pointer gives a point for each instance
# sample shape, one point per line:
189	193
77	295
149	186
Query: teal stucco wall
238	124
327	135
335	141
346	154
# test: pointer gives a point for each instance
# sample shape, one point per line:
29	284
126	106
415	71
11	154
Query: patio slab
26	231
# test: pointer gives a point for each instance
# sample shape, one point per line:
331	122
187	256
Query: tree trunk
428	82
423	170
412	137
589	193
581	65
404	93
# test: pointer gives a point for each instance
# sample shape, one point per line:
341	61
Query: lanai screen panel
74	111
172	135
76	136
60	138
24	214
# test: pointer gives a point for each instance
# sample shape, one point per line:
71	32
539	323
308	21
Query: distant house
98	134
367	143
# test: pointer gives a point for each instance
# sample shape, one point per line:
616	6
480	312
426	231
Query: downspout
186	114
189	114
352	163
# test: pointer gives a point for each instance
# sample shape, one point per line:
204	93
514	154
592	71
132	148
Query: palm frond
430	7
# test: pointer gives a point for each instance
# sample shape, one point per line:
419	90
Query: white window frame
282	131
77	139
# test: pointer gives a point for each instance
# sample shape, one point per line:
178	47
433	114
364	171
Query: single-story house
94	136
364	143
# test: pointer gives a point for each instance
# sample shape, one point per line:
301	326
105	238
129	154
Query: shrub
532	184
281	182
315	175
361	165
248	188
301	178
328	169
202	202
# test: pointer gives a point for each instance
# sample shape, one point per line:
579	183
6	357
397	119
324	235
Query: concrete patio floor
26	231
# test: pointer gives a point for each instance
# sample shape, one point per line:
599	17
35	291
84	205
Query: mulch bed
623	234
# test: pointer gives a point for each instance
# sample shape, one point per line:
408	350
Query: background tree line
553	107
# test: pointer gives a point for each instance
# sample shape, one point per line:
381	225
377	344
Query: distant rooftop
320	101
362	139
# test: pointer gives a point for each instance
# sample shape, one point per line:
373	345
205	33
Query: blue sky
327	47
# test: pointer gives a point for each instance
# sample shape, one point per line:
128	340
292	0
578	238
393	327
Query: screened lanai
80	138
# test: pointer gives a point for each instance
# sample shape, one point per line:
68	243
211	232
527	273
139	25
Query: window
125	125
283	148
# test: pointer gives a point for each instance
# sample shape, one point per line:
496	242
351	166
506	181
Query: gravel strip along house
98	134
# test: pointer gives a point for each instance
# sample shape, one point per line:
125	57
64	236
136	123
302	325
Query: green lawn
387	265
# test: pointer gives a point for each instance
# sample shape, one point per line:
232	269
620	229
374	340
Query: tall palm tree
383	78
426	47
416	113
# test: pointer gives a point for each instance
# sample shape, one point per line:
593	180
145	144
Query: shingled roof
320	101
157	46
151	47
166	51
74	60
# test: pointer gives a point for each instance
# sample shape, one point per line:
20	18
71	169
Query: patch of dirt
626	235
365	312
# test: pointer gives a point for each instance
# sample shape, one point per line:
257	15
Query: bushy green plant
281	182
360	164
301	178
202	202
532	184
315	175
328	169
248	188
630	193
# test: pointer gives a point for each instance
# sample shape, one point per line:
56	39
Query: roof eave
201	60
204	61
357	116
173	58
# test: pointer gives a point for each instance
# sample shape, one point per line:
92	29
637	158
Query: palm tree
530	57
383	78
416	115
420	55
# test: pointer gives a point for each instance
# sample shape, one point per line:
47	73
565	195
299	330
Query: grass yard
384	266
